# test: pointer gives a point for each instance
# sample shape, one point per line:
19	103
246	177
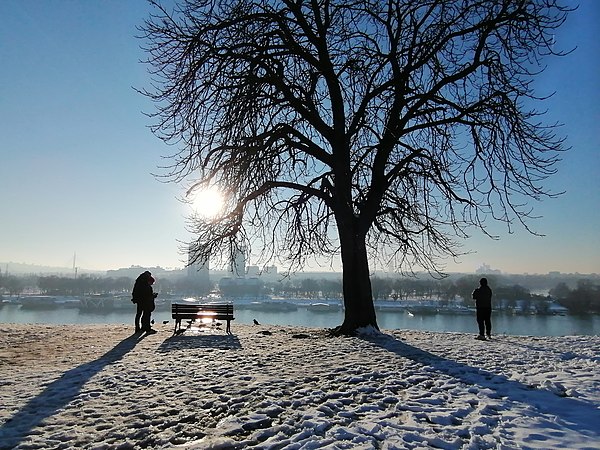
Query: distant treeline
577	295
583	297
89	284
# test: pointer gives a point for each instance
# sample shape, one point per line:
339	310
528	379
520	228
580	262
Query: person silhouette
483	304
143	296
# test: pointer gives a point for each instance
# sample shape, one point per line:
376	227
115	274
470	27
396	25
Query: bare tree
365	128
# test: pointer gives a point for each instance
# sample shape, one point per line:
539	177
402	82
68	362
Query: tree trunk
358	296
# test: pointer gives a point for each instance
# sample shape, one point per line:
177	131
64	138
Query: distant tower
238	264
197	270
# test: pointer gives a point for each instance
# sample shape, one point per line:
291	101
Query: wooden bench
194	311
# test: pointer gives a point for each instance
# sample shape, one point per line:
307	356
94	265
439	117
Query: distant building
198	270
487	270
134	271
238	264
253	271
270	271
266	272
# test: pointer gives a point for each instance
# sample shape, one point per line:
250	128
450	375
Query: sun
207	203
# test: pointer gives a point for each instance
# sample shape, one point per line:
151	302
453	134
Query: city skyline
77	157
13	268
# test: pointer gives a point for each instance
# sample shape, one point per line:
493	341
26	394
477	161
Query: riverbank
509	324
274	387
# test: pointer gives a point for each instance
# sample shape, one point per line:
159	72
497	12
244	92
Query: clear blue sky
76	155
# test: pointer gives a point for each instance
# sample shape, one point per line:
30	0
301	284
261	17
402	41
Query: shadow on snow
58	394
577	415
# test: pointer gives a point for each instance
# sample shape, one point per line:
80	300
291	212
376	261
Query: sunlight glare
208	202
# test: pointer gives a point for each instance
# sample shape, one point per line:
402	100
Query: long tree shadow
577	415
565	355
58	394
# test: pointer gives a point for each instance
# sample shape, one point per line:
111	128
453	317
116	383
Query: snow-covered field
273	387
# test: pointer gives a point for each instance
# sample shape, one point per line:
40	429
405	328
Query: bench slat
215	311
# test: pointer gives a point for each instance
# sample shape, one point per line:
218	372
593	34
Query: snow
276	387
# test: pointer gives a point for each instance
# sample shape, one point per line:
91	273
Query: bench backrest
218	308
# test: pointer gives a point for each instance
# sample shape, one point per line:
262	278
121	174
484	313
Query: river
502	323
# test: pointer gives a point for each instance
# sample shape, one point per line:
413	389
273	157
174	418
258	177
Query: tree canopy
366	129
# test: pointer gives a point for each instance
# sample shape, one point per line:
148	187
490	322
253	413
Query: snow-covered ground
274	387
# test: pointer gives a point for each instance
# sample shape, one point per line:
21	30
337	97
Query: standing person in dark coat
143	297
483	304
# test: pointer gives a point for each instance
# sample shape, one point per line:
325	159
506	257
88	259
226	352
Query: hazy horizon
5	267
